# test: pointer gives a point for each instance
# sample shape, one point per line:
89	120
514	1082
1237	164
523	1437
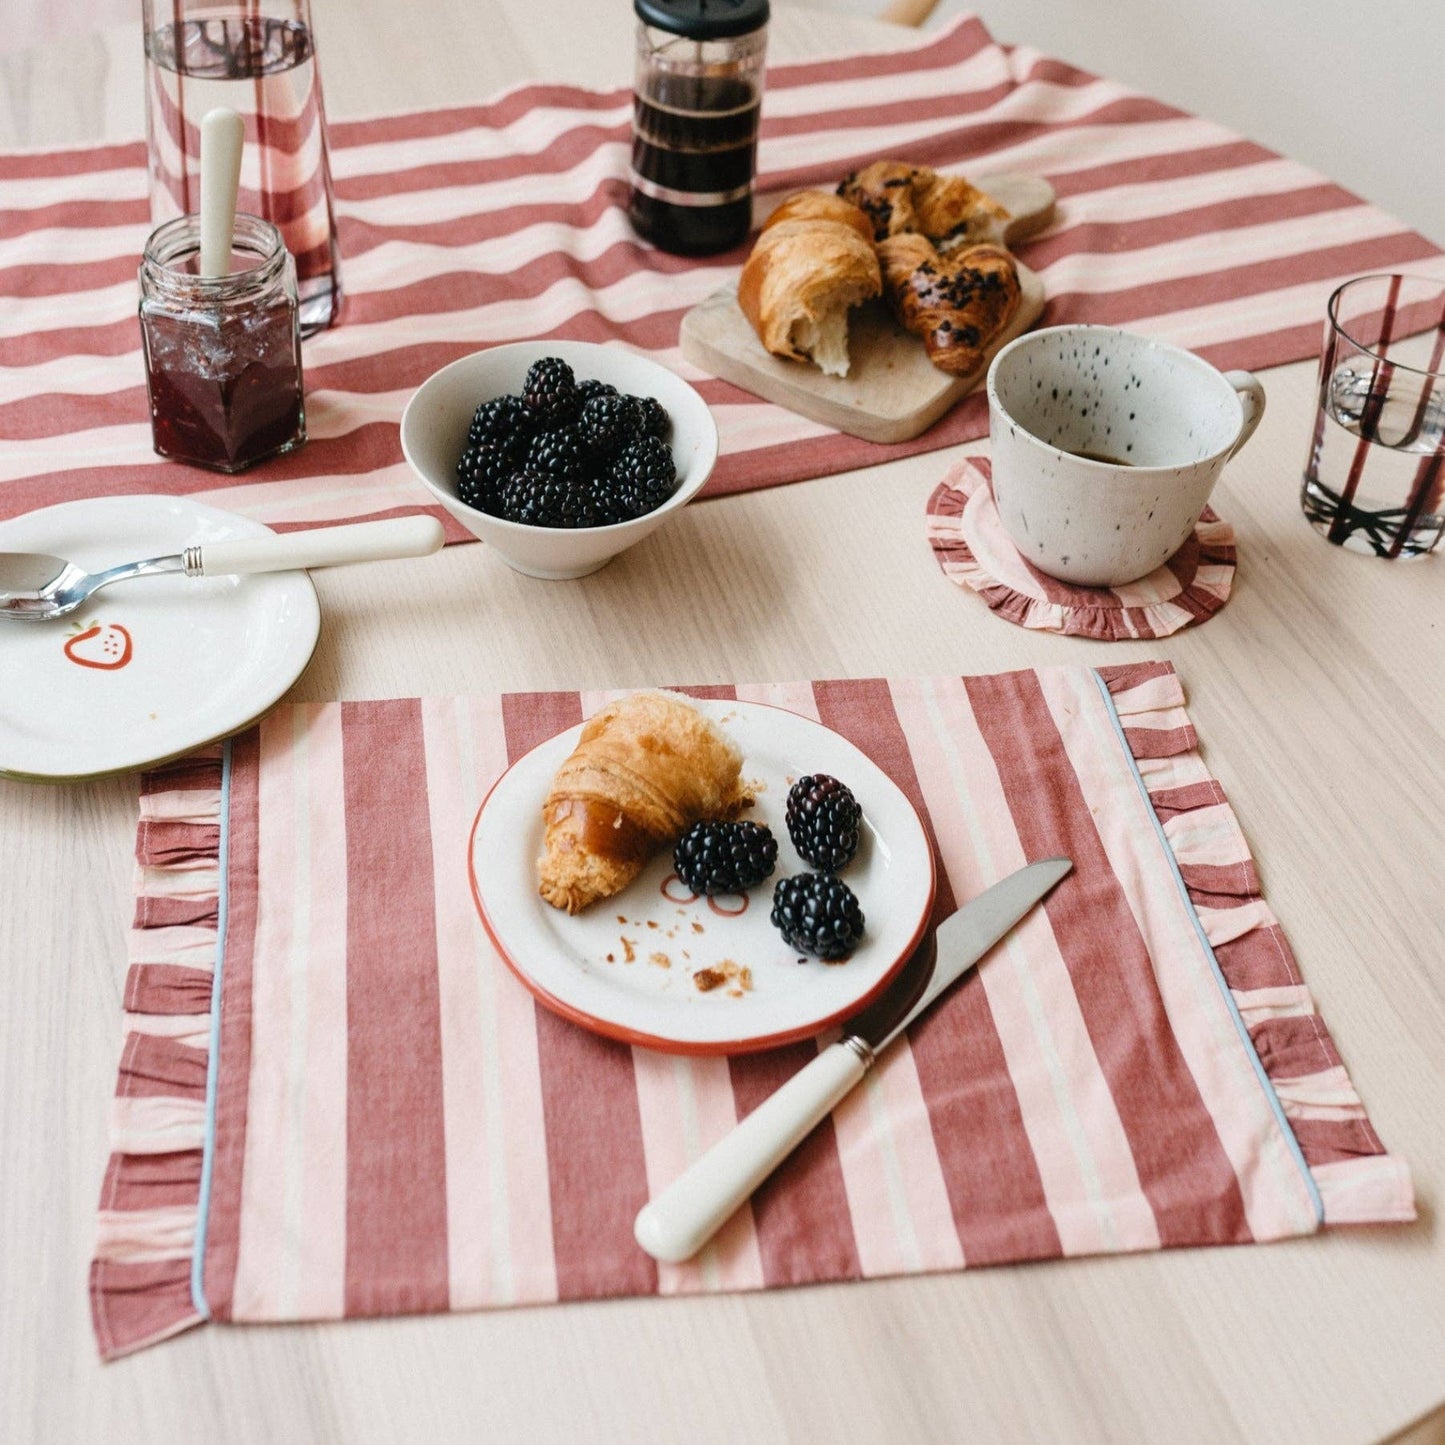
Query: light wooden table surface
1319	693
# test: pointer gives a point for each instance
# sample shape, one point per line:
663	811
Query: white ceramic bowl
434	431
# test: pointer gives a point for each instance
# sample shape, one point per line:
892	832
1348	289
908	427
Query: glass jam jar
696	98
222	353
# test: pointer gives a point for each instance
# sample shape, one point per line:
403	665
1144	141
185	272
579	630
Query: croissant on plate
898	198
812	262
959	304
645	769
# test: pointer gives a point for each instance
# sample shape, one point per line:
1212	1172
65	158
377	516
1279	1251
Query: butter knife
675	1225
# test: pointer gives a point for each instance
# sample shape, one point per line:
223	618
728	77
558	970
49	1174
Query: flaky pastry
645	769
959	304
812	263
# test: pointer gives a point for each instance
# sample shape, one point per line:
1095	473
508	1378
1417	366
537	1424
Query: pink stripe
534	1267
319	1137
686	1106
500	1246
396	1225
1073	1130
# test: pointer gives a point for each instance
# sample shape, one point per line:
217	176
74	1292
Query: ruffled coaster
969	540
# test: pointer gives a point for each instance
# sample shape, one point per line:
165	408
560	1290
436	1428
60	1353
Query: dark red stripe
1183	1168
1332	1141
396	1219
153	912
1261	958
187	775
167	988
800	1213
994	1187
155	1067
162	841
1121	677
133	1304
1170	802
233	1063
1295	1045
75	161
589	1102
1161	742
152	1181
1234	882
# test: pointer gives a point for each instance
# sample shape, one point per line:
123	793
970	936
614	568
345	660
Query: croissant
644	770
813	261
899	198
959	304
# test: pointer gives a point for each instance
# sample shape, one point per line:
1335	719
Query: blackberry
818	913
586	390
550	391
823	818
644	475
725	857
480	474
607	423
607	502
557	453
504	421
542	501
655	420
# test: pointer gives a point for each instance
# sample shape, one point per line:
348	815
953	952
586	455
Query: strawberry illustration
106	647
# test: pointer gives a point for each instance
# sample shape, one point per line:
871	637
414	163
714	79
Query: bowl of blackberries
559	454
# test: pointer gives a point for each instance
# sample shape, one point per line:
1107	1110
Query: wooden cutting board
892	391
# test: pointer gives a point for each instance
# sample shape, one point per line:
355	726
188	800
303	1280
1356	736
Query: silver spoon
35	587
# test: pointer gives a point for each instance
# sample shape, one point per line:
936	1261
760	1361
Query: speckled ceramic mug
1106	446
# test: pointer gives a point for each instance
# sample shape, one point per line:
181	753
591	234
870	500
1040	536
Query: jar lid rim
703	19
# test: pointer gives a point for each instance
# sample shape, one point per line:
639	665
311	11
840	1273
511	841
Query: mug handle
1251	398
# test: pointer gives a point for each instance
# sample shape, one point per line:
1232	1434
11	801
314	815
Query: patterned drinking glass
259	58
1376	469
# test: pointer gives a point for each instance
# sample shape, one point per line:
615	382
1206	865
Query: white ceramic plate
147	669
579	965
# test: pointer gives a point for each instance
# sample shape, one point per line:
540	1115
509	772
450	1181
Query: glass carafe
259	58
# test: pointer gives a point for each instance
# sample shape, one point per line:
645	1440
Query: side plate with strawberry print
151	668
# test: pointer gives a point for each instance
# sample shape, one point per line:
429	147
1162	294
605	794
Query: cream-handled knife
687	1214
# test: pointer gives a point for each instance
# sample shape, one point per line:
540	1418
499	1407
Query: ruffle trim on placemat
1357	1180
974	550
140	1277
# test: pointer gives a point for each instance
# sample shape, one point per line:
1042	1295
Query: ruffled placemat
974	550
336	1100
468	226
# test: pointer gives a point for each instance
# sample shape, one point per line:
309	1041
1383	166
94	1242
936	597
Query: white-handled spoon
222	135
35	587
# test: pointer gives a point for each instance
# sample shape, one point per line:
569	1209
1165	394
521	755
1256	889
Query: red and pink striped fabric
465	227
974	550
394	1125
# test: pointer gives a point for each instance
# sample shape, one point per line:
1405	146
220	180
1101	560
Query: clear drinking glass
259	58
1376	470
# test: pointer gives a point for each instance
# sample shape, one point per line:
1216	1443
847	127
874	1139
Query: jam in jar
222	353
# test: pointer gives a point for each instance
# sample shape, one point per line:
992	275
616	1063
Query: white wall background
1354	88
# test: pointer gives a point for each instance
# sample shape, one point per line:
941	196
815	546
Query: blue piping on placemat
1311	1187
208	1142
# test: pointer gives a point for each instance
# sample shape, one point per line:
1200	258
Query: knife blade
675	1225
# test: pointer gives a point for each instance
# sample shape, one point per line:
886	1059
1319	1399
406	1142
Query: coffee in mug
1106	446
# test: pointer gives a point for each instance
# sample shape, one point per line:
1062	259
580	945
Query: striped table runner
335	1100
973	549
465	227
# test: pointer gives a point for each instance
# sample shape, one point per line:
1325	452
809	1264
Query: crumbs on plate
737	975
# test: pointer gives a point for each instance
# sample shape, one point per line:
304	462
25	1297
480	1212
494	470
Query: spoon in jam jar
35	587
